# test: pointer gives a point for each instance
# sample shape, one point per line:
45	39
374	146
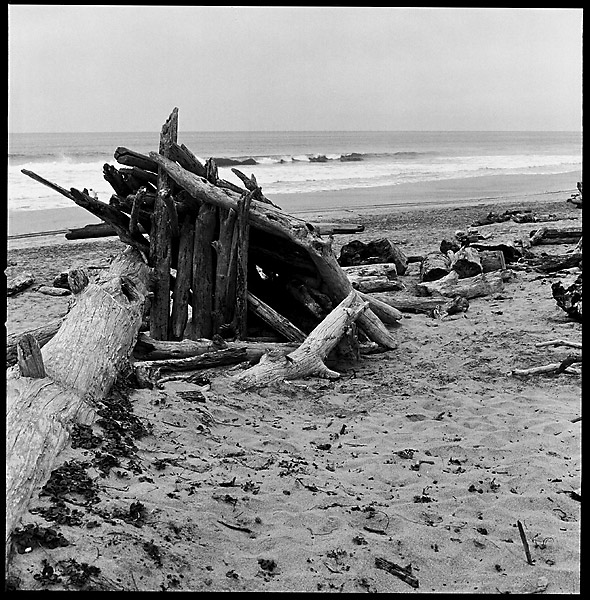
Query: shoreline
344	203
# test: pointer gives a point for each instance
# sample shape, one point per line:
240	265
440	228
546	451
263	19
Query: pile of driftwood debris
211	272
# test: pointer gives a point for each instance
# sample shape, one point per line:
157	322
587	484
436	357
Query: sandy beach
426	456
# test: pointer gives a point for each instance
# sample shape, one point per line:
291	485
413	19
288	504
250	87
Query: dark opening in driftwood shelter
211	270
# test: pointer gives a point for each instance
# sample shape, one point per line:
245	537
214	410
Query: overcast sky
123	68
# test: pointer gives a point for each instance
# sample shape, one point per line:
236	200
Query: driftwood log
309	358
381	250
412	304
451	285
546	235
466	262
434	266
19	283
81	362
378	277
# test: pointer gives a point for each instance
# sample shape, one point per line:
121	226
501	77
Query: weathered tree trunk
147	348
286	227
81	362
483	284
434	266
309	358
466	262
160	239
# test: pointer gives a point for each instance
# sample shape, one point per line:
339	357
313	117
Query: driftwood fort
209	271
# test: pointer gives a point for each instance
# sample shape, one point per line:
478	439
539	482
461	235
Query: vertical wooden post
30	360
203	283
160	238
222	300
184	272
242	238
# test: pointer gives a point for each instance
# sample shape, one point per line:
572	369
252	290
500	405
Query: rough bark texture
81	362
160	238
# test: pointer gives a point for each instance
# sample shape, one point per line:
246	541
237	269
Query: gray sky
123	68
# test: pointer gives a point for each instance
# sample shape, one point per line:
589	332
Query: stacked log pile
224	259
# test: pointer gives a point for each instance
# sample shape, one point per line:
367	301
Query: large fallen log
309	358
284	227
81	361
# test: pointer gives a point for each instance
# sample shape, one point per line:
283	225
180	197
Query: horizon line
313	131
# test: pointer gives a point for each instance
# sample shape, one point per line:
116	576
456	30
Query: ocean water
292	161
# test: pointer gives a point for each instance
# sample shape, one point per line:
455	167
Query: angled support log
271	317
282	225
105	212
308	359
81	362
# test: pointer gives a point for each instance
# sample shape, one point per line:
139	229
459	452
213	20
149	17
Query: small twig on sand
525	543
236	527
404	573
